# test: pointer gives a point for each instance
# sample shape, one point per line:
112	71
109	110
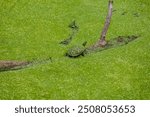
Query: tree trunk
102	41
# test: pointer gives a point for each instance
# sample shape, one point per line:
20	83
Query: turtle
77	51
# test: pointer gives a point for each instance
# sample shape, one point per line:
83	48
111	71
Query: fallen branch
8	65
102	41
16	65
116	42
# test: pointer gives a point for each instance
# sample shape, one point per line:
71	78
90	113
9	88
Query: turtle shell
76	51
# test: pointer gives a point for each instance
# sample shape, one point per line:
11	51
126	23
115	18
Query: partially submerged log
115	42
16	65
11	65
102	41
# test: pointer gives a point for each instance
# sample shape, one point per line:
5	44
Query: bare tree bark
102	41
6	65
